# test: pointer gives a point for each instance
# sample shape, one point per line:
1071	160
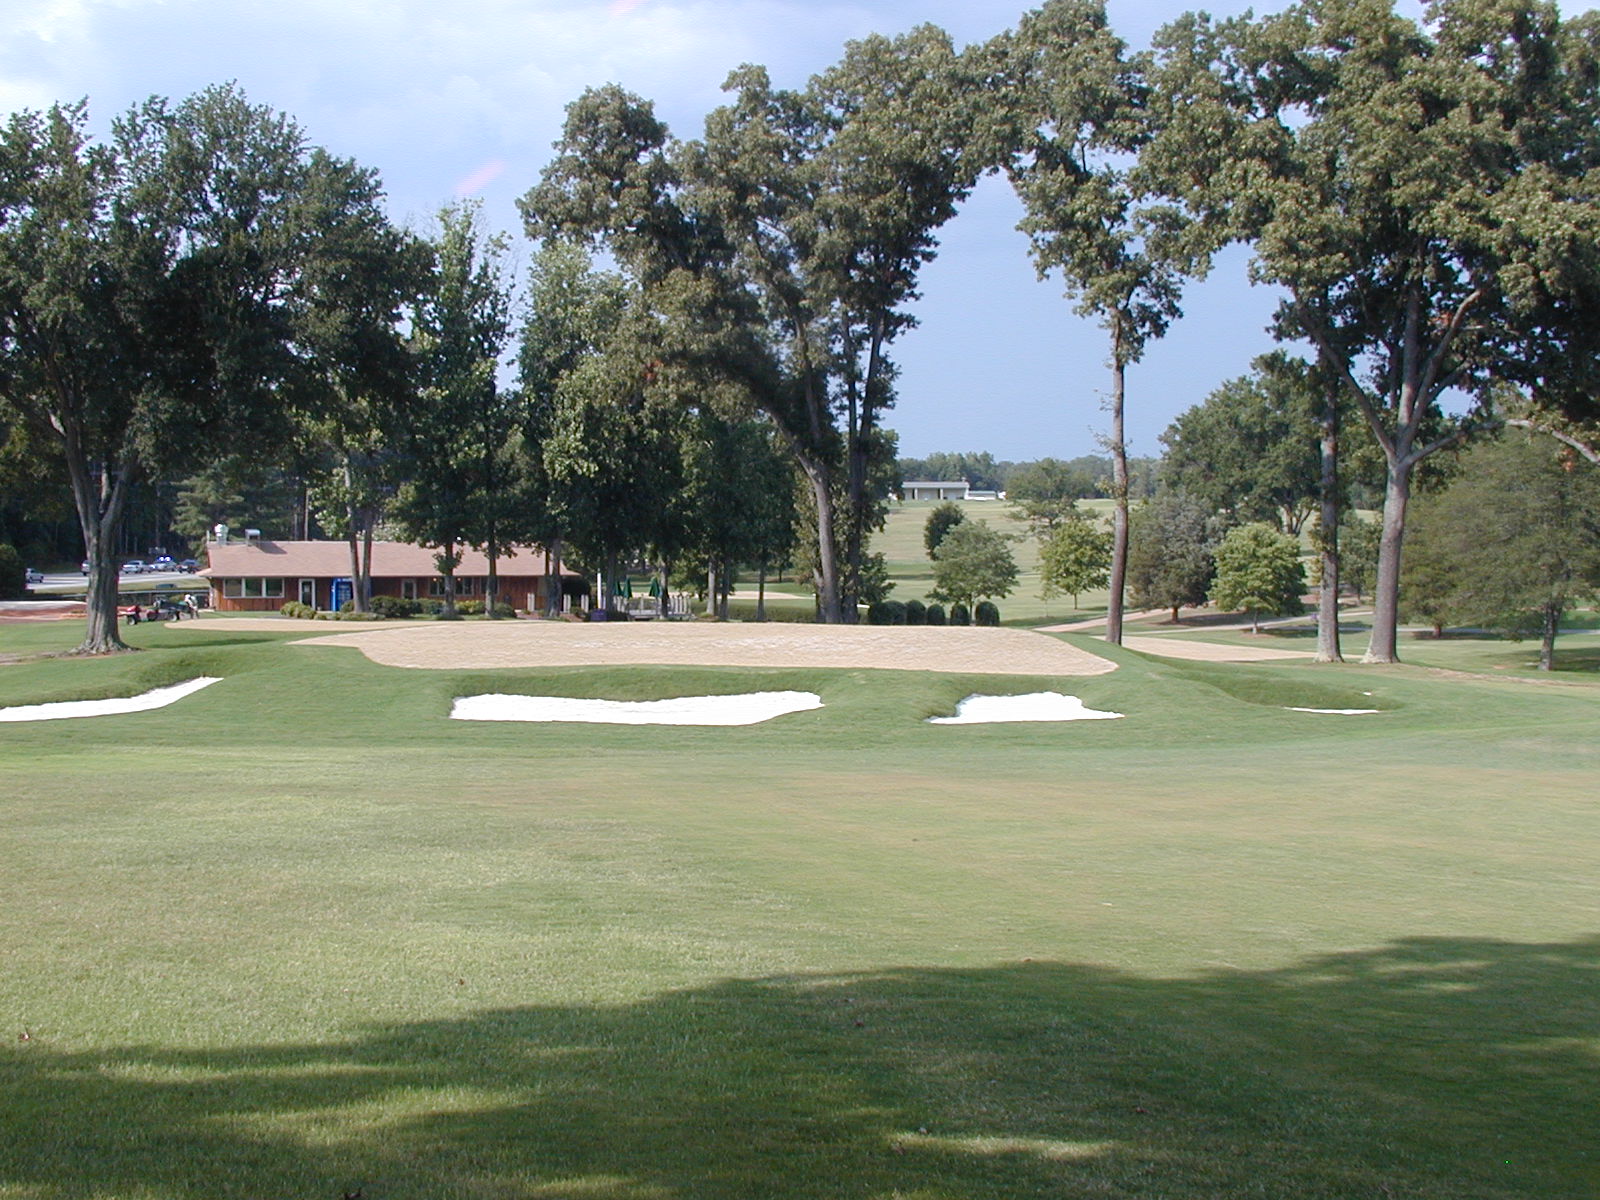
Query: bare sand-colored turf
478	644
1198	651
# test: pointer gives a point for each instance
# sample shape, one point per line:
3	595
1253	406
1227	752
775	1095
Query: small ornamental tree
1047	492
1170	559
973	562
941	521
1259	569
1511	544
1358	553
1075	557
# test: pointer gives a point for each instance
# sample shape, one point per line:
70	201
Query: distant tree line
1086	477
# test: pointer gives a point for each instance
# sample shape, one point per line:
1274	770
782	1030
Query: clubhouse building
258	576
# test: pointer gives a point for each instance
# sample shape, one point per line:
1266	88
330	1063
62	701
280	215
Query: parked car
189	565
134	566
33	574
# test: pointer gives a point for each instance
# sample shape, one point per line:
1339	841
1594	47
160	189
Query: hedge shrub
13	573
886	612
935	615
985	613
916	612
959	615
396	606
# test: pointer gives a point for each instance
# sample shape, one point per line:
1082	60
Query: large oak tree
1418	189
190	283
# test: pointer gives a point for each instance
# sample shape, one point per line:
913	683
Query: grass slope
301	933
900	541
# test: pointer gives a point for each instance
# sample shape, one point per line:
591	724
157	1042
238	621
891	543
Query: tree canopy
200	277
1417	188
1258	570
973	562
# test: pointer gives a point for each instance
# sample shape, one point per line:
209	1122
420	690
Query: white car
134	567
33	576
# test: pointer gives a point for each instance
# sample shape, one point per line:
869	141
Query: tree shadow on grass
1429	1067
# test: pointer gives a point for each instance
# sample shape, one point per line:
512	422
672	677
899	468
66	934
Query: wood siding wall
515	588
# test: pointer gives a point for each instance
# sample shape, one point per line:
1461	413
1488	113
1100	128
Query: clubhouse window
253	589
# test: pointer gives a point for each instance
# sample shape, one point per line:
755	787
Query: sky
465	99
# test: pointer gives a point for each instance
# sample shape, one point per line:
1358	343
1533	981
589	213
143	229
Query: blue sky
466	98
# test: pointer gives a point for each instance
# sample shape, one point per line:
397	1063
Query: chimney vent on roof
252	535
219	534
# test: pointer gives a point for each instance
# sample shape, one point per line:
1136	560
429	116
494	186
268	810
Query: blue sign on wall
341	591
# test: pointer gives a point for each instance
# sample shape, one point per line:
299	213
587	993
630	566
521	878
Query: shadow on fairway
1429	1067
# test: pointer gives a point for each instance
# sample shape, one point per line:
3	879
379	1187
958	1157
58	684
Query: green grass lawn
300	933
901	544
1577	650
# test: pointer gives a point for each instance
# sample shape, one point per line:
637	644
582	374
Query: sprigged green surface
300	933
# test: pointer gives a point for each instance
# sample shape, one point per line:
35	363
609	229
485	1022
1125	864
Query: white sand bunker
1034	706
159	698
1337	712
751	708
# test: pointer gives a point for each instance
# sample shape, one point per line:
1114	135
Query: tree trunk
664	575
100	504
101	635
1547	647
493	581
1386	591
855	472
1328	531
554	600
364	584
828	606
1119	492
861	423
448	557
761	591
352	541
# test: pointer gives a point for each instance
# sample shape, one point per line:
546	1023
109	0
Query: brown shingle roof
332	559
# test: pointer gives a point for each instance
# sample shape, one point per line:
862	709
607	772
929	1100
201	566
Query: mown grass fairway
301	934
